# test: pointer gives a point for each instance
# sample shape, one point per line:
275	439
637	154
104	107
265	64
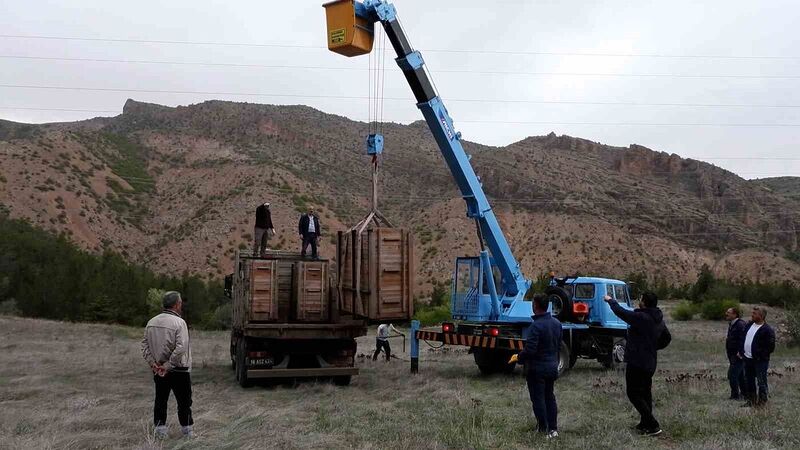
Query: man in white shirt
309	231
758	345
382	341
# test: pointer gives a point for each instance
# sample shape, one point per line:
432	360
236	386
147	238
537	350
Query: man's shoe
639	428
187	431
161	431
552	434
652	432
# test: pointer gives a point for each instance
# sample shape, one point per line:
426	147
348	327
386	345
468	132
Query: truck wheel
564	359
560	301
233	354
343	380
241	366
616	357
493	361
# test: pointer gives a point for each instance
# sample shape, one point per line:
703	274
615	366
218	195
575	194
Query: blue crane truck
489	306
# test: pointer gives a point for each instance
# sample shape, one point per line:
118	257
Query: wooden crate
382	259
311	291
283	289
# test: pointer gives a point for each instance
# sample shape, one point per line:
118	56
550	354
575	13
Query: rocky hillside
175	188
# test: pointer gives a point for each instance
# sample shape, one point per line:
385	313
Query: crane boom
513	285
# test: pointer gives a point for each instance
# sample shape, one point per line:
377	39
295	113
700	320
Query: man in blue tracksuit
540	357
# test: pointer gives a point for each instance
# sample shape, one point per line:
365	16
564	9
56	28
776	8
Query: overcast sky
578	53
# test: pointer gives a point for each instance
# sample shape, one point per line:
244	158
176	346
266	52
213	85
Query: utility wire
470	51
404	99
258	94
457	71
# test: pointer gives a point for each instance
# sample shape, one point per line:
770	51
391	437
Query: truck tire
616	356
564	359
561	302
343	380
493	361
233	353
241	366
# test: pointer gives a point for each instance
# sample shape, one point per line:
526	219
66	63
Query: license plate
261	362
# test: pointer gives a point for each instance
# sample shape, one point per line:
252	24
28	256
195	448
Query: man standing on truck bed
382	341
310	231
263	230
166	349
647	333
540	357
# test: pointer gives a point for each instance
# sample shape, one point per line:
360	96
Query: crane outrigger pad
348	34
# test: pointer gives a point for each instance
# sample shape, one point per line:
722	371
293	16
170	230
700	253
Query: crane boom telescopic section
513	283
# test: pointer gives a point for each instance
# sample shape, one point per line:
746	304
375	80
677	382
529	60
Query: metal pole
414	346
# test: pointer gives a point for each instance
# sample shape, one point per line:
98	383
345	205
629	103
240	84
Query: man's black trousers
180	383
309	238
382	344
639	387
755	374
543	398
736	376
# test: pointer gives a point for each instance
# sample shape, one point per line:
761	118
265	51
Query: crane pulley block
348	33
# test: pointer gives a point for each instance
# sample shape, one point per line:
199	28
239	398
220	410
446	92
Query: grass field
85	386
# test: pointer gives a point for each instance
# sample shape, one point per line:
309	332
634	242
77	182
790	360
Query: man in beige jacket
166	349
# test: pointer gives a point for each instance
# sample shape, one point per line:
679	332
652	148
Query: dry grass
85	386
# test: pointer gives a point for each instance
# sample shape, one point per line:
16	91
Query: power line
262	94
458	71
471	51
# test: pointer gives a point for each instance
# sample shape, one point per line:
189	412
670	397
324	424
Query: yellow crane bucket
348	34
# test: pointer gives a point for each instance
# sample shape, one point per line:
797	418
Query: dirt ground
85	386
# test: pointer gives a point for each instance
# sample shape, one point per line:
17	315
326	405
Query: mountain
176	189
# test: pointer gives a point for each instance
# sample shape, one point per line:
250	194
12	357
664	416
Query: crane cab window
467	275
584	291
621	294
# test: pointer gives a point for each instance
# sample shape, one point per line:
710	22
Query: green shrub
793	326
9	308
432	315
715	309
684	311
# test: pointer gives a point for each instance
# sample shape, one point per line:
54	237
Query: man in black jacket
758	345
646	325
309	231
540	357
733	343
263	230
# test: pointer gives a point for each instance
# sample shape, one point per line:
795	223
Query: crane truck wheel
493	361
564	359
616	357
560	301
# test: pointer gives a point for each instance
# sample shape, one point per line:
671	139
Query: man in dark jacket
758	345
645	325
733	343
309	231
540	356
263	230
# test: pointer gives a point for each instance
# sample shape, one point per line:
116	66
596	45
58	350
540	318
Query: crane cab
348	33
